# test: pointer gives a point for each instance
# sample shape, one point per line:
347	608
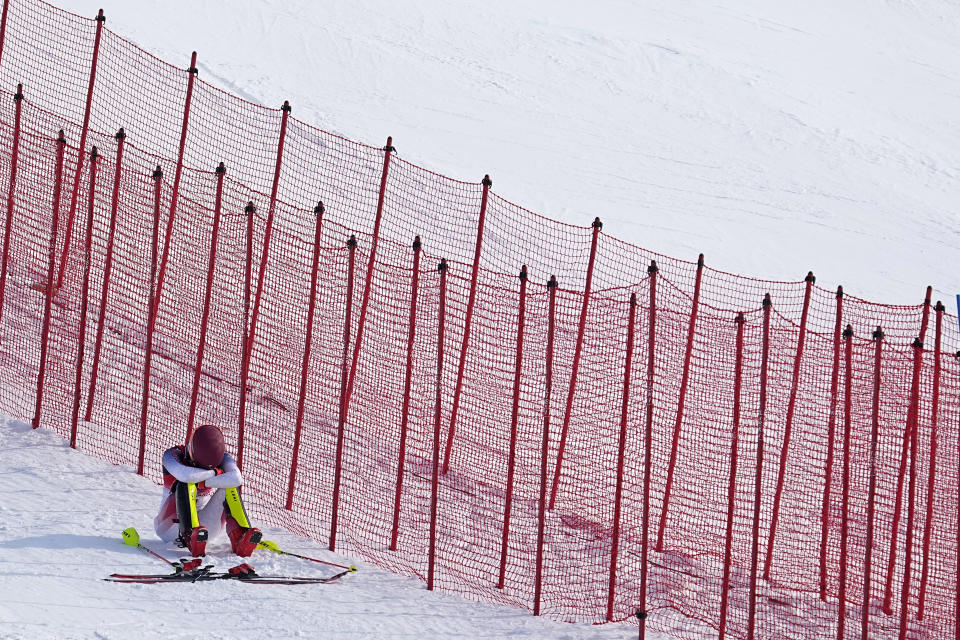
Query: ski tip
131	537
352	568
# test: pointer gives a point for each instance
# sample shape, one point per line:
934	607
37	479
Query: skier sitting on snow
202	494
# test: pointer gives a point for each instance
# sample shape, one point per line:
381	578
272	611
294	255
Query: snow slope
775	137
61	514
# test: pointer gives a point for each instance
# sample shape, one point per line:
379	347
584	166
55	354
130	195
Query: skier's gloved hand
226	476
174	464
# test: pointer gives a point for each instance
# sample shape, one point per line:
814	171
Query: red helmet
207	447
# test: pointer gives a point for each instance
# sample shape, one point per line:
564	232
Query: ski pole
132	539
269	545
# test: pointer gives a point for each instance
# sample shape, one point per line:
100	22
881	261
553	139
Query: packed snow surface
61	514
774	137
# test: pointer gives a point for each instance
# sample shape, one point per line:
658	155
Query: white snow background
775	137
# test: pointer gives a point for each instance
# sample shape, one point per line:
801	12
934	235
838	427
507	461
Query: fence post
914	427
468	323
681	403
904	453
341	427
872	489
437	413
107	270
374	242
14	156
154	293
648	445
85	127
207	293
51	267
578	350
255	313
84	299
755	552
250	212
514	416
545	447
3	27
732	487
305	365
934	419
621	446
791	408
407	382
831	432
168	230
845	485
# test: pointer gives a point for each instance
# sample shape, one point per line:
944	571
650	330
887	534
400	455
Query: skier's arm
229	478
173	463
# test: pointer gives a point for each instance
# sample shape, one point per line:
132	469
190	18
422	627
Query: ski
205	575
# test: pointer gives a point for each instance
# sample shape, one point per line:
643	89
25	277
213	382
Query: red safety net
634	510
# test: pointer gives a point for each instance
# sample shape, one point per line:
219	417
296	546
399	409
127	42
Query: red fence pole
168	231
468	323
911	495
934	416
85	127
208	292
578	350
845	486
831	432
250	212
307	343
681	403
754	555
872	489
107	270
437	413
621	446
84	299
648	446
514	416
407	382
791	408
374	242
732	487
154	293
904	452
342	426
3	27
51	267
14	156
255	313
545	448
